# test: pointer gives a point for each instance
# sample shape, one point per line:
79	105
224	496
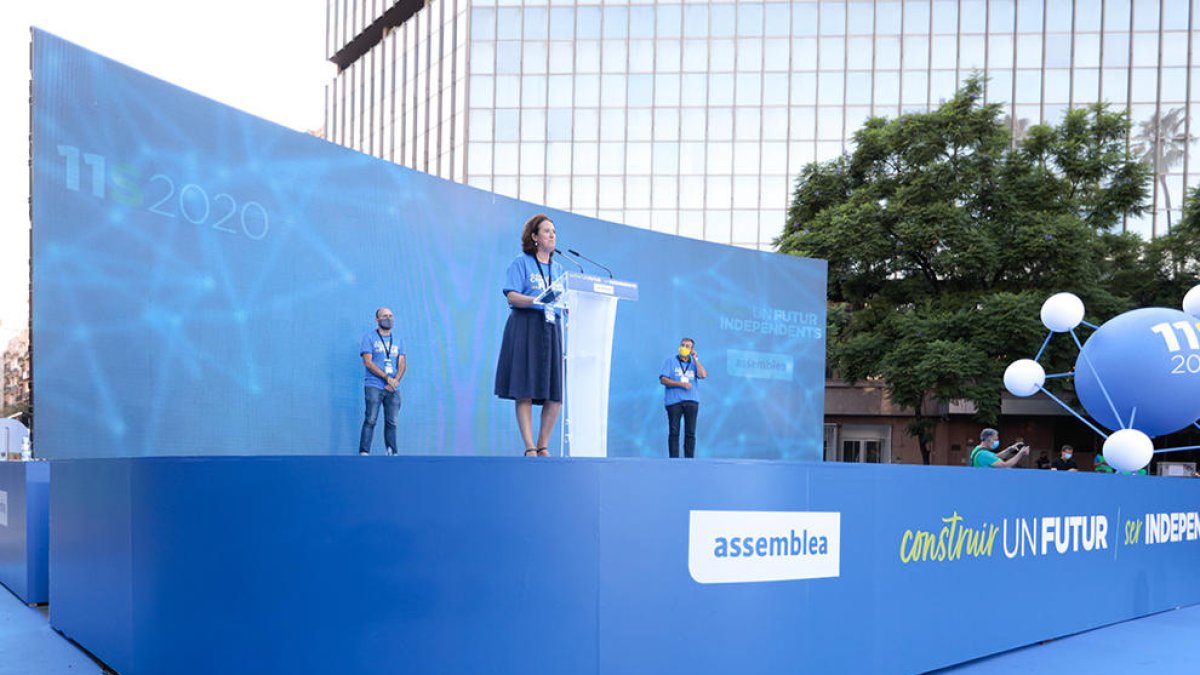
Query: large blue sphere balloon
1148	360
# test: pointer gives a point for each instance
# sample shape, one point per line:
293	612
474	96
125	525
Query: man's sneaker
362	453
391	452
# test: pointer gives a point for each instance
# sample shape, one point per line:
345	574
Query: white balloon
1191	302
1062	311
1128	450
1024	378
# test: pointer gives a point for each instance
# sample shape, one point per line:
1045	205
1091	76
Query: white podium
590	313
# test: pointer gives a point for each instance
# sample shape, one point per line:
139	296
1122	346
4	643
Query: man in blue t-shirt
383	356
985	456
680	376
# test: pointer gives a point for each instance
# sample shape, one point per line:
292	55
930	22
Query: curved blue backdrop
202	278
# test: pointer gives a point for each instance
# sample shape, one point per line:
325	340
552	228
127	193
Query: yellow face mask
684	352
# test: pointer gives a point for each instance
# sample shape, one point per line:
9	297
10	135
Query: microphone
577	254
573	262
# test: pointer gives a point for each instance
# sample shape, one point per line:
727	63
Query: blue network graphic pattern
202	278
1138	375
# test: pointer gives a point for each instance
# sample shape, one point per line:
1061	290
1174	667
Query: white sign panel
726	547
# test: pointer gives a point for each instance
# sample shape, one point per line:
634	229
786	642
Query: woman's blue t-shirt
524	277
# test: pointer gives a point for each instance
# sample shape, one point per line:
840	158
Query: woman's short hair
531	229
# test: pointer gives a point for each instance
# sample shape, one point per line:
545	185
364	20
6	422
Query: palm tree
1162	143
1019	127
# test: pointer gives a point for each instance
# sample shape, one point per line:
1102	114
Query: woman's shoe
543	452
531	452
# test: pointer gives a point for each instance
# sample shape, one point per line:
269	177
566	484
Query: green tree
1171	262
943	238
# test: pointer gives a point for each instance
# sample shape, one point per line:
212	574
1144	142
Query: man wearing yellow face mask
680	376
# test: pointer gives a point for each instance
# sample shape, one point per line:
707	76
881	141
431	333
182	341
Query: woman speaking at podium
530	367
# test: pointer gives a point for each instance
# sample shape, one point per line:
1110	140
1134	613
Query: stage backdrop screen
202	279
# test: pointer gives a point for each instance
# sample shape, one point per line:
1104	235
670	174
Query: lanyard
685	364
549	273
390	341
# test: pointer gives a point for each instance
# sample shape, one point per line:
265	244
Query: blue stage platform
29	645
459	565
24	523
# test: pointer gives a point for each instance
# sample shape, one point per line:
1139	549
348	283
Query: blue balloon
1149	362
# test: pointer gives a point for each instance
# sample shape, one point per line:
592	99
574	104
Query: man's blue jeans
688	410
390	400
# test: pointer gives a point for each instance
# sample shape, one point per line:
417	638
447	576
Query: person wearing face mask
1065	463
680	377
985	456
382	354
529	370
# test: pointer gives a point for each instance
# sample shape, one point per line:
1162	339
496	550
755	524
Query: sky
266	57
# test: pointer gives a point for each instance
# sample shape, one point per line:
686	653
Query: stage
24	526
207	513
461	565
31	646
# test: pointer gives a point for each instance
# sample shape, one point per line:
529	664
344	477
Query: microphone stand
577	254
573	262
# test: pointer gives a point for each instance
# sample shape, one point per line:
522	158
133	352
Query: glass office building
694	117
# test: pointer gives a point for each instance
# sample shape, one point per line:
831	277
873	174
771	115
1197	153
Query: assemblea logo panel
752	546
